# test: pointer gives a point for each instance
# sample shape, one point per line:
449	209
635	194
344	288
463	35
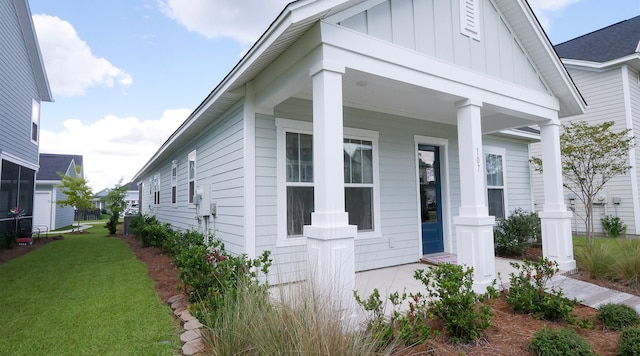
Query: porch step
438	258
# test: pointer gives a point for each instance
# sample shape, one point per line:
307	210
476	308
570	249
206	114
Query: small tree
115	204
591	156
76	190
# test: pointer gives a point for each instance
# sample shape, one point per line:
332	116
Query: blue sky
126	73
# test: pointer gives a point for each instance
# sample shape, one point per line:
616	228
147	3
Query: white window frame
155	189
174	183
499	151
35	121
191	192
286	125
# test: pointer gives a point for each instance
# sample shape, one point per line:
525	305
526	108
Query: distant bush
514	233
618	316
613	226
561	342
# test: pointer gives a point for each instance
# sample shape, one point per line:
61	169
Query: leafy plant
629	343
76	191
116	205
617	316
514	233
453	302
7	240
561	342
613	226
528	292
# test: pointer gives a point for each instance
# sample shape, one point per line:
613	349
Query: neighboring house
131	197
46	211
353	136
604	65
23	86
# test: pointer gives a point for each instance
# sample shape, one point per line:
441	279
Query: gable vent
470	18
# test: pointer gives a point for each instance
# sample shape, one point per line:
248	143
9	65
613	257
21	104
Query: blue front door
430	199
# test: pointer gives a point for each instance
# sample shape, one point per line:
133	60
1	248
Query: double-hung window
174	183
296	183
496	182
155	189
191	167
35	121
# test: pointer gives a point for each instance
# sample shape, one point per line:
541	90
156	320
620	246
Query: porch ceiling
366	91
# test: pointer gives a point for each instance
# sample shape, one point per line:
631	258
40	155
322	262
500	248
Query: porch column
474	226
330	238
557	243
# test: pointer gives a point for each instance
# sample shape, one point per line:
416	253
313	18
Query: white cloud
242	20
545	8
71	67
112	147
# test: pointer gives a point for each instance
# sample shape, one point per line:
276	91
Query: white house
46	213
353	135
605	65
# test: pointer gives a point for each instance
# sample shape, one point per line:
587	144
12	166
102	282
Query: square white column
330	238
474	226
557	242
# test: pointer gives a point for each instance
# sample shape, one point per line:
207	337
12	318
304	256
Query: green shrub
528	292
629	343
613	226
561	342
514	233
7	240
625	265
112	224
453	302
150	231
617	316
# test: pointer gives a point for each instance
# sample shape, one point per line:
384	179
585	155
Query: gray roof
51	164
609	43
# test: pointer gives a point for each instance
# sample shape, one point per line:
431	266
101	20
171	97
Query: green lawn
84	295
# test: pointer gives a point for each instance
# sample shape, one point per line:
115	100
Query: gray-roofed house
605	65
46	211
23	86
361	134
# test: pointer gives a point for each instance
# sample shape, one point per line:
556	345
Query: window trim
286	125
500	151
192	157
155	189
35	121
174	184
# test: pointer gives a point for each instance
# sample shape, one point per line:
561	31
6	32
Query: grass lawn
86	294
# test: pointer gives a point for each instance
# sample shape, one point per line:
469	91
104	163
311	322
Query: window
358	182
295	163
174	183
35	121
495	166
191	176
155	189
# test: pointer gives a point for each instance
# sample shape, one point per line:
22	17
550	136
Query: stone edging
191	337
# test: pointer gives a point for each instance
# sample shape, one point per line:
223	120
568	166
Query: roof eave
633	59
33	49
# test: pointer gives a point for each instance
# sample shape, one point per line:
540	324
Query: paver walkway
592	295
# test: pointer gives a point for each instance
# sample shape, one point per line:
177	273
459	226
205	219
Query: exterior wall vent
470	18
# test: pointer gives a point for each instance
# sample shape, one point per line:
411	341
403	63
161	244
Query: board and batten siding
432	27
17	88
604	94
219	168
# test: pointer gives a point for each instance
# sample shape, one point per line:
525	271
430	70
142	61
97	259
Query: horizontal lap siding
17	88
219	165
